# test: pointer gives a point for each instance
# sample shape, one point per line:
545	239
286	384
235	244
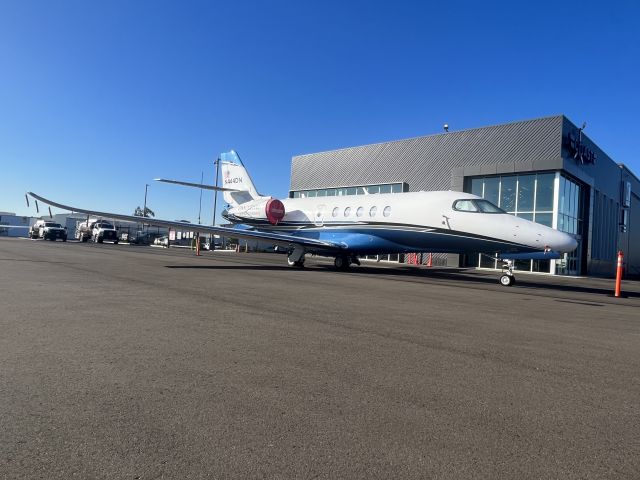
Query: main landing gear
507	278
296	257
295	263
343	262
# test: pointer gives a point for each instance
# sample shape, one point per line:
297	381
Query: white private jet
346	227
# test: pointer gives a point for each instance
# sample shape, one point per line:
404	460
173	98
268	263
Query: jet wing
196	185
275	238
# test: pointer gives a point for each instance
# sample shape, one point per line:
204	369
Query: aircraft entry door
318	217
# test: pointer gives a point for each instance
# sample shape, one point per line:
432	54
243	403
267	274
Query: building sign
578	150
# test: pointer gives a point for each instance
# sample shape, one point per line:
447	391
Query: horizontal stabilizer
196	185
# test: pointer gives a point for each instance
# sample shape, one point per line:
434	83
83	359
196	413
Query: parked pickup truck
96	230
48	230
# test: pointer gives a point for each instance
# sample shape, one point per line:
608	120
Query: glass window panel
541	266
522	265
351	191
508	194
526	186
487	262
396	188
492	189
476	186
576	198
544	191
322	193
394	257
360	191
340	192
561	195
526	215
572	208
331	192
296	194
311	193
385	188
544	218
374	189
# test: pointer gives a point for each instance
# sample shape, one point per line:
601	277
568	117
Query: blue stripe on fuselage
363	240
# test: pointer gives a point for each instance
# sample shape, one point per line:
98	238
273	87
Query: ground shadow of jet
451	274
230	267
472	275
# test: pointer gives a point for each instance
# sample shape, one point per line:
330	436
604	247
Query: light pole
212	245
200	207
144	209
216	162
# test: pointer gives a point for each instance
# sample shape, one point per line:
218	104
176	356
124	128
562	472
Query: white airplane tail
236	177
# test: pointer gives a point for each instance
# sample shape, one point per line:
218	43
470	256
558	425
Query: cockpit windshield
476	205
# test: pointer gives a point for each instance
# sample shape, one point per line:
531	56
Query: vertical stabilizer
235	176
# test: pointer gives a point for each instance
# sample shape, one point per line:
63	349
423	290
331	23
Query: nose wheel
507	278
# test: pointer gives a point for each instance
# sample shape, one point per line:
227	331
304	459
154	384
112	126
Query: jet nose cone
564	243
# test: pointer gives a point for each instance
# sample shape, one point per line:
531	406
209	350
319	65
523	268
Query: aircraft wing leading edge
275	238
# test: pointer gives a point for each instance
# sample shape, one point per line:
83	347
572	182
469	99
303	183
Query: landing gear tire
292	263
507	280
341	263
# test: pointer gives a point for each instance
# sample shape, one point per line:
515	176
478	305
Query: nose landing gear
507	278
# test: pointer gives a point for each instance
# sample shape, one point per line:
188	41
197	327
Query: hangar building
546	170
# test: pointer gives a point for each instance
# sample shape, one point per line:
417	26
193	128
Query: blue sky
99	98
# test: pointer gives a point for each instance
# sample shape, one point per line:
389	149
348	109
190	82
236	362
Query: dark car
143	238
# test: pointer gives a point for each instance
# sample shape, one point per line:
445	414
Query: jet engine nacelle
265	208
274	209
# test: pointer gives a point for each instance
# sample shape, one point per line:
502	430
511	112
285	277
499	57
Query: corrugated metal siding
426	163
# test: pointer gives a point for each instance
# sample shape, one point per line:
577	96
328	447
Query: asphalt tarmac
125	362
